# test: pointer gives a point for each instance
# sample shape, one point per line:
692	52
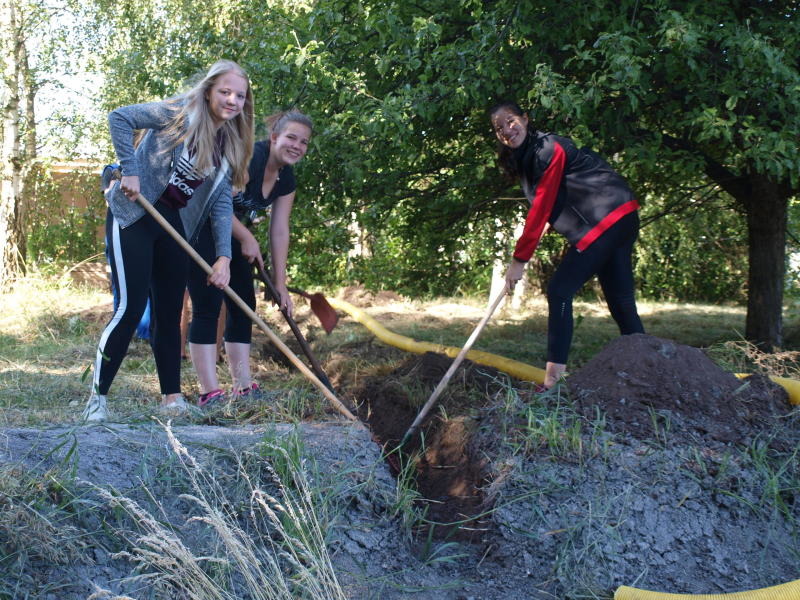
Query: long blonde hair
193	124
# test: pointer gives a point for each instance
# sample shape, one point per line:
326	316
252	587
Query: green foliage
793	251
64	231
400	189
712	241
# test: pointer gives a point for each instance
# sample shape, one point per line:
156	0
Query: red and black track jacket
572	188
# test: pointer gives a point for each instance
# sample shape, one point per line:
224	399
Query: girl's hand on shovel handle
129	184
221	273
286	299
514	274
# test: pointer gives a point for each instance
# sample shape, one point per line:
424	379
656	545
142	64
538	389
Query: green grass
49	329
48	334
522	334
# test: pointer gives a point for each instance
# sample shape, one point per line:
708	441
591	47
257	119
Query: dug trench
639	385
449	467
648	465
446	461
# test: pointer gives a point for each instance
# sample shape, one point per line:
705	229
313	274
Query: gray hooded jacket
153	162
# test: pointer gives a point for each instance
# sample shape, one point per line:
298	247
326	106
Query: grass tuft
272	548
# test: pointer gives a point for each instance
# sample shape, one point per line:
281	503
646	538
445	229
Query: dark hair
278	121
505	155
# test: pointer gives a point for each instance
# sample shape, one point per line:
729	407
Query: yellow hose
513	367
785	591
791	386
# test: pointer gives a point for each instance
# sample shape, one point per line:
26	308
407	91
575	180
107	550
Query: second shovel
317	368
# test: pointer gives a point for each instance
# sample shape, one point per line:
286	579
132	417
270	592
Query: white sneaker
95	410
179	406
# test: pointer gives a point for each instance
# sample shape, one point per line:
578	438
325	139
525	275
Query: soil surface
652	467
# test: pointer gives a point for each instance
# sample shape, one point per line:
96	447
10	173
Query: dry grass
49	329
742	357
248	525
282	557
32	525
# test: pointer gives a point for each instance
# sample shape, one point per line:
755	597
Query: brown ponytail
278	121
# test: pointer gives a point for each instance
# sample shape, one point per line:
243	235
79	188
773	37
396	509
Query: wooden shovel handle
447	376
264	275
247	310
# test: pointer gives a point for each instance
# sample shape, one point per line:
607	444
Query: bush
60	231
699	256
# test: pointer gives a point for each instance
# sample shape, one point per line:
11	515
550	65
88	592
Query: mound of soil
662	487
646	385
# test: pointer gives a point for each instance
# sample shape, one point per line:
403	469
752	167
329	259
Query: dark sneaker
209	398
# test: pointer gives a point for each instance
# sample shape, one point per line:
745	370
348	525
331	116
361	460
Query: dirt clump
99	314
644	384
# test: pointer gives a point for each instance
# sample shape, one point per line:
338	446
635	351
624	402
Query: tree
668	90
681	88
24	24
11	235
374	159
671	92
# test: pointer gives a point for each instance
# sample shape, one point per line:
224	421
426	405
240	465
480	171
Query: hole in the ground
450	470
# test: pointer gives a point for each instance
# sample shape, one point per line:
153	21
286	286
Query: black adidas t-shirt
183	181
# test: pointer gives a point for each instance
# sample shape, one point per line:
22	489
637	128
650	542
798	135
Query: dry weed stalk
741	355
290	561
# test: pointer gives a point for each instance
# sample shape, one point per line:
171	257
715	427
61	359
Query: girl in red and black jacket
579	195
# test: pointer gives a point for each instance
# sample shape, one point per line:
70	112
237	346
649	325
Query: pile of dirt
644	385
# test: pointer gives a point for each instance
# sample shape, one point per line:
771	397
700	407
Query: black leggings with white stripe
145	260
609	257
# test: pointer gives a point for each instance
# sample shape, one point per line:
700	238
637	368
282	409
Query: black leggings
144	260
610	258
207	299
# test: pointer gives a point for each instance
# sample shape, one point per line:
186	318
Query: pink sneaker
249	393
209	398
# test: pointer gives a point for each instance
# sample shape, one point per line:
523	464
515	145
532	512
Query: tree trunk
766	226
10	263
29	89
